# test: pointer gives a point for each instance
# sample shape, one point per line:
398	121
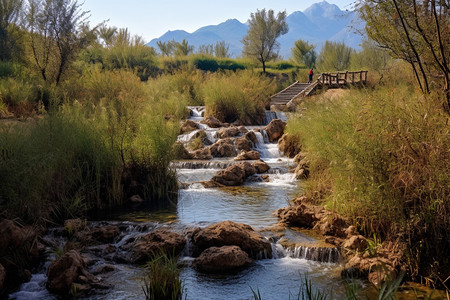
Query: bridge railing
343	78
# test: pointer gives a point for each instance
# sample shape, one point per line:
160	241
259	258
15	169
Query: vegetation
163	279
380	159
334	57
260	42
303	53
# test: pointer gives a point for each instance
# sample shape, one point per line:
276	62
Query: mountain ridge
320	22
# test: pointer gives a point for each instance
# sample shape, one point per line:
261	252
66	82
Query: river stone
66	271
228	132
228	233
231	176
261	167
275	129
152	243
219	259
242	143
289	145
223	148
249	155
96	235
356	242
302	215
188	126
212	122
251	136
201	154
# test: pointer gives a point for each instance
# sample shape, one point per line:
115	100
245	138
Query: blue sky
152	18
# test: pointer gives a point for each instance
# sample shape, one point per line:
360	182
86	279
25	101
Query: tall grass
237	96
381	159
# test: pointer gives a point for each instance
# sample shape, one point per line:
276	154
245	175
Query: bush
206	63
237	96
381	160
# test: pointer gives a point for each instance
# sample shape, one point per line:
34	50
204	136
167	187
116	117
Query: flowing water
253	203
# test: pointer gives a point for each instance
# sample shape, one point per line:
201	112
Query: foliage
334	56
163	279
371	57
237	96
415	31
380	159
260	42
54	29
183	48
303	53
9	14
166	48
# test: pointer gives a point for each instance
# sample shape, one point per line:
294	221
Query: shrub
237	96
206	63
386	162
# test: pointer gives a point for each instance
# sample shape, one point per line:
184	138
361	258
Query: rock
229	233
261	167
2	276
231	176
275	129
105	234
301	172
188	126
228	132
212	122
356	242
249	155
251	136
103	269
65	272
242	129
223	148
351	230
289	145
303	215
376	269
265	178
242	143
180	151
248	168
154	242
333	225
201	154
135	199
219	259
210	184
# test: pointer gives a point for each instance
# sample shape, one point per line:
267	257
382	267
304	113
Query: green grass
380	158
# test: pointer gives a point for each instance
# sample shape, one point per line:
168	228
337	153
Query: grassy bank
105	137
380	158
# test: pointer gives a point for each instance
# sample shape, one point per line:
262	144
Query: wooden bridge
298	90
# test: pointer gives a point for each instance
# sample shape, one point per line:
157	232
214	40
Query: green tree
417	32
183	48
263	32
166	48
206	49
9	14
54	27
334	57
221	49
371	57
107	34
304	53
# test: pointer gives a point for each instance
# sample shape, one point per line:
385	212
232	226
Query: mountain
320	22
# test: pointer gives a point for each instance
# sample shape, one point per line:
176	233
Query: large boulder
289	145
212	122
228	132
231	176
303	215
223	148
261	166
219	259
188	126
249	155
201	154
251	136
150	244
68	273
242	143
229	233
275	129
180	152
97	235
356	242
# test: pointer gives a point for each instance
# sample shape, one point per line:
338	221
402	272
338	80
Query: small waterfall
266	149
320	254
269	116
184	138
198	164
197	111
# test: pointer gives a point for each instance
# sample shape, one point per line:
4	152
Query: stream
253	203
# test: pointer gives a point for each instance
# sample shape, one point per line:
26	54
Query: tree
263	32
107	34
221	49
334	57
9	14
55	33
304	53
370	57
415	31
206	49
183	48
166	48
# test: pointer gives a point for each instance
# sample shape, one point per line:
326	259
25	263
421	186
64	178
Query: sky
152	18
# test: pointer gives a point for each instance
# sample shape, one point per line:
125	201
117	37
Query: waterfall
320	254
271	115
266	149
197	111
